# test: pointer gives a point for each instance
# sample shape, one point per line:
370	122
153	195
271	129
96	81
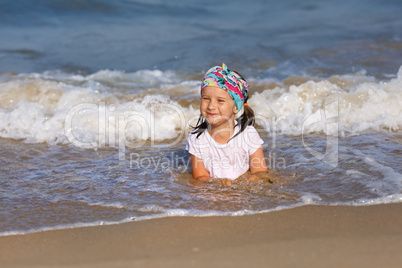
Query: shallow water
48	186
97	99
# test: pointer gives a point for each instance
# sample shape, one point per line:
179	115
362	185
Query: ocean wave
157	212
354	103
108	107
162	213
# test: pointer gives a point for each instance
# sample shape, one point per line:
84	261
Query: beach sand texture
307	236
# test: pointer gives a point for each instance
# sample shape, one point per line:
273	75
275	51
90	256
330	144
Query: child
224	144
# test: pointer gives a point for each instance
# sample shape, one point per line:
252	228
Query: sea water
97	99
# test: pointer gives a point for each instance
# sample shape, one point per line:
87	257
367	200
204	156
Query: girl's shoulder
250	130
194	135
251	136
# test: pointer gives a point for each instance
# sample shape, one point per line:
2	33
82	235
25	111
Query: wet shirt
229	160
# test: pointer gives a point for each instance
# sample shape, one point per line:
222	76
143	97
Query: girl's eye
221	100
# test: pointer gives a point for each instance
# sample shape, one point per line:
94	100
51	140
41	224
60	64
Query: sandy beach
98	99
308	236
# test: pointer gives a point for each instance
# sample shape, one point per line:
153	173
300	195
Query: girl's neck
222	134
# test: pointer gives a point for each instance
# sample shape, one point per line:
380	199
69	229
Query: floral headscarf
230	81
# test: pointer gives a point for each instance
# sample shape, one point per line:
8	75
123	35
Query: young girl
224	144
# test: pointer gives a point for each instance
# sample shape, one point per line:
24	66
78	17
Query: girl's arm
257	162
198	168
257	165
201	173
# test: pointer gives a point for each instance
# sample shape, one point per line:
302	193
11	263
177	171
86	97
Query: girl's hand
226	182
252	178
263	177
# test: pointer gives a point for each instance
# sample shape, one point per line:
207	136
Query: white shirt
229	160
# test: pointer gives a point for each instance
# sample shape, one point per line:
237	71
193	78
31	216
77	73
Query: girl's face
217	107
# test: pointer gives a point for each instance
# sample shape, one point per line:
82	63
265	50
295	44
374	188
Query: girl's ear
235	111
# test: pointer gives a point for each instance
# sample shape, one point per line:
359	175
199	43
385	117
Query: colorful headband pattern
230	81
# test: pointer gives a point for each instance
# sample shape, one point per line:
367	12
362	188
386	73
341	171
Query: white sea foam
107	107
157	212
162	213
36	109
389	199
356	103
309	199
116	205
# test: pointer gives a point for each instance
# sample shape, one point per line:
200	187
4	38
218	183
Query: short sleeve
252	140
192	147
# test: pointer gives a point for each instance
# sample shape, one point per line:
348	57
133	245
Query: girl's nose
211	105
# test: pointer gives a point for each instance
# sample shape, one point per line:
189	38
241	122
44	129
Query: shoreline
306	236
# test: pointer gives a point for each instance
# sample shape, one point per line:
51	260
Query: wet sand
308	236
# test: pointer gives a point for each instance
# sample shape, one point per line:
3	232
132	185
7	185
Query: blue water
319	37
124	57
